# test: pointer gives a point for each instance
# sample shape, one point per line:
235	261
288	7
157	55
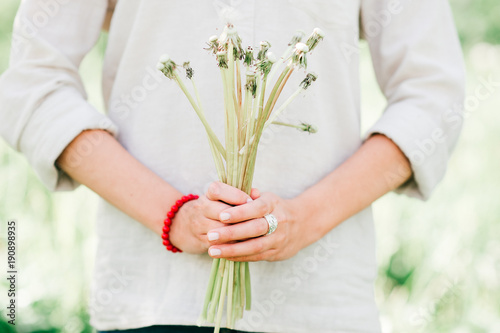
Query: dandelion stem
210	289
217	292
242	288
277	89
248	287
286	55
230	289
209	130
236	293
220	309
238	82
283	107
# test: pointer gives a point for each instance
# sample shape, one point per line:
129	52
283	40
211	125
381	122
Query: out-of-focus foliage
477	21
439	261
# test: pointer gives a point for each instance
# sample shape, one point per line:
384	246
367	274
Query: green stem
238	86
220	308
228	122
233	124
251	148
282	61
246	118
242	286
250	132
236	292
285	124
248	287
275	115
277	89
210	289
219	165
245	137
217	291
208	129
230	290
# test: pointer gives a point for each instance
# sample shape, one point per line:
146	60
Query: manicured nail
213	236
225	216
249	200
215	252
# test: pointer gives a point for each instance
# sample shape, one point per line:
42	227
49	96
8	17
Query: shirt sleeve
43	103
419	67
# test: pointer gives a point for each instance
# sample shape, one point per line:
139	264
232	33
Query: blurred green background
439	261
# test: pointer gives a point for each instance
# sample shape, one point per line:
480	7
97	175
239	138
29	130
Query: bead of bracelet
167	223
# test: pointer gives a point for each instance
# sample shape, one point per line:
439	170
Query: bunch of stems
248	110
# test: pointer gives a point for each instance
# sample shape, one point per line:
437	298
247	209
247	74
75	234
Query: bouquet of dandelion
249	107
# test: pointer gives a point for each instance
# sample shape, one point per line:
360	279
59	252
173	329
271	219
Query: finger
211	209
251	210
269	255
239	231
201	227
207	225
255	194
218	191
250	247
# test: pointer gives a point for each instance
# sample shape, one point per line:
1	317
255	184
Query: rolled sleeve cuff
55	123
421	140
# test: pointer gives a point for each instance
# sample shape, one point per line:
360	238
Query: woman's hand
193	221
243	235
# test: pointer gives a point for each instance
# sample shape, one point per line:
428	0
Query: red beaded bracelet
168	221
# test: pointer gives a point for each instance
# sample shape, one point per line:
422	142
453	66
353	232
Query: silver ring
273	223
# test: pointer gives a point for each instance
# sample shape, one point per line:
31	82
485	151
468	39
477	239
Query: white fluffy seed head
160	66
319	32
164	58
271	57
302	47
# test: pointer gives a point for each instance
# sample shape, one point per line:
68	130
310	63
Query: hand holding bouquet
249	108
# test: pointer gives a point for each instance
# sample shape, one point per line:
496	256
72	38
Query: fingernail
225	216
249	200
213	236
214	252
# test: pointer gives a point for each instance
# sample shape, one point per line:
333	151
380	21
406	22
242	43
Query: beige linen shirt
326	287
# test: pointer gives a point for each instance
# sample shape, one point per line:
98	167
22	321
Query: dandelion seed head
309	79
301	47
271	57
309	128
164	58
160	66
316	36
319	32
